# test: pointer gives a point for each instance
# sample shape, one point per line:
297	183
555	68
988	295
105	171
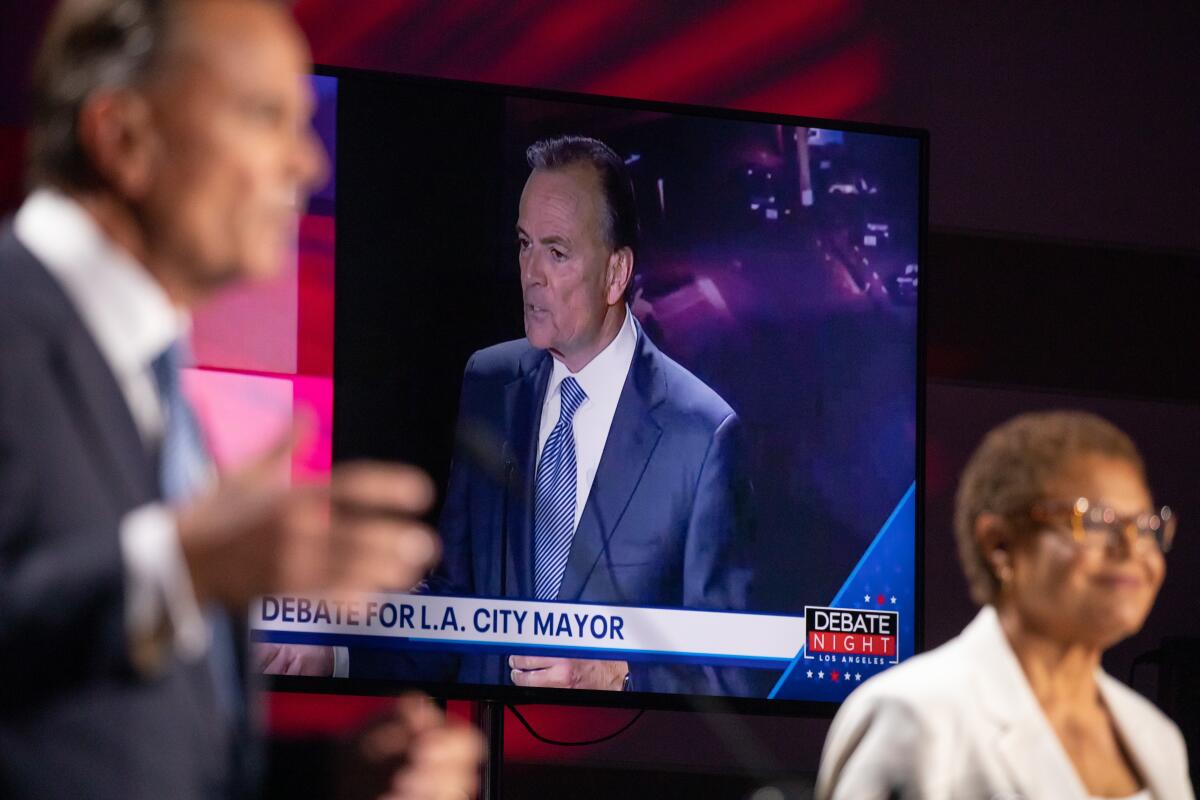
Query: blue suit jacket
76	720
667	522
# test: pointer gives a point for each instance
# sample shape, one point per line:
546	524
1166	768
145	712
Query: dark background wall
1063	265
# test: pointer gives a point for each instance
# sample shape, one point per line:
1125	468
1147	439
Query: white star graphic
820	674
858	676
893	599
866	598
810	673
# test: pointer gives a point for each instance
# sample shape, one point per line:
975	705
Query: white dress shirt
602	380
132	322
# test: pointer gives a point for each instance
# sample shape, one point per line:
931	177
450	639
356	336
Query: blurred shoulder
34	313
896	728
689	398
932	684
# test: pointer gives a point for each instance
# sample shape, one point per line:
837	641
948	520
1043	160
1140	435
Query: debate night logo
851	635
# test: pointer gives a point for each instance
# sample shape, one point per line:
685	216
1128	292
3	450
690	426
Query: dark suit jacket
667	522
75	719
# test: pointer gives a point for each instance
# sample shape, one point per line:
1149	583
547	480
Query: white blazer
961	723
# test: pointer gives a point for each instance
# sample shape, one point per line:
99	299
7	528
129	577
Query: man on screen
618	478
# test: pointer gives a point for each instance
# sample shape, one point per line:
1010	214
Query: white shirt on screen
132	321
602	380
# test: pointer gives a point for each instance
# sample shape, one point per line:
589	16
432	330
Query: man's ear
620	273
116	130
994	536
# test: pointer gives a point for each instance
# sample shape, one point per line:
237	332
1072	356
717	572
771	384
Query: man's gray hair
90	45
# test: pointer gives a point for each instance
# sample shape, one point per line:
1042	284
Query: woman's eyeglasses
1098	525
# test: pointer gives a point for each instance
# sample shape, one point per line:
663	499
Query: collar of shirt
122	306
603	377
125	310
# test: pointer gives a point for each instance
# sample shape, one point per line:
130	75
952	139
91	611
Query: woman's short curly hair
1010	470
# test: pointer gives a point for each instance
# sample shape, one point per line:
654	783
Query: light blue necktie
554	507
183	469
183	464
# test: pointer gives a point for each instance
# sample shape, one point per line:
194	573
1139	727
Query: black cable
583	743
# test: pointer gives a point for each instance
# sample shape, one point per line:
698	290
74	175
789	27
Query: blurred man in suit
171	153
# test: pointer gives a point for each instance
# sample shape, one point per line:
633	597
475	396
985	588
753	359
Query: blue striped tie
554	509
183	469
183	465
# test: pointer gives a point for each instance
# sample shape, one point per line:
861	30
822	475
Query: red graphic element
855	643
879	599
314	335
716	48
295	714
836	87
786	56
834	674
564	39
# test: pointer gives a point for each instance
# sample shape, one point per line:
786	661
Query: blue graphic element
325	89
883	580
514	648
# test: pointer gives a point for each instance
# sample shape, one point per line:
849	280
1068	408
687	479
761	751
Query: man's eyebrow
555	239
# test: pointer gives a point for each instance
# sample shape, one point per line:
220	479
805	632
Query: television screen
663	365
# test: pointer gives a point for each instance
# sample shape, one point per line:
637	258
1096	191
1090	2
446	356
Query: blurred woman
1064	549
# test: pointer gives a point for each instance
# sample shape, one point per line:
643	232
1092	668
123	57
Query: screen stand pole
491	723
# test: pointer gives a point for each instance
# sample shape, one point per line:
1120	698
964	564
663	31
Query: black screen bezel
515	695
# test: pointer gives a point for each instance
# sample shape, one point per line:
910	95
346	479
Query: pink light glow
314	396
245	413
251	326
242	414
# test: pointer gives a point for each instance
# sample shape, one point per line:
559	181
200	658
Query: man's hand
251	535
293	659
422	753
568	673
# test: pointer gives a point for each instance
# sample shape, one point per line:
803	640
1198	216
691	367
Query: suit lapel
85	380
1034	759
110	433
1026	743
631	441
523	401
1036	762
1143	747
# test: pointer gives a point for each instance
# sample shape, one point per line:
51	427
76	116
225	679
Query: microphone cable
579	743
